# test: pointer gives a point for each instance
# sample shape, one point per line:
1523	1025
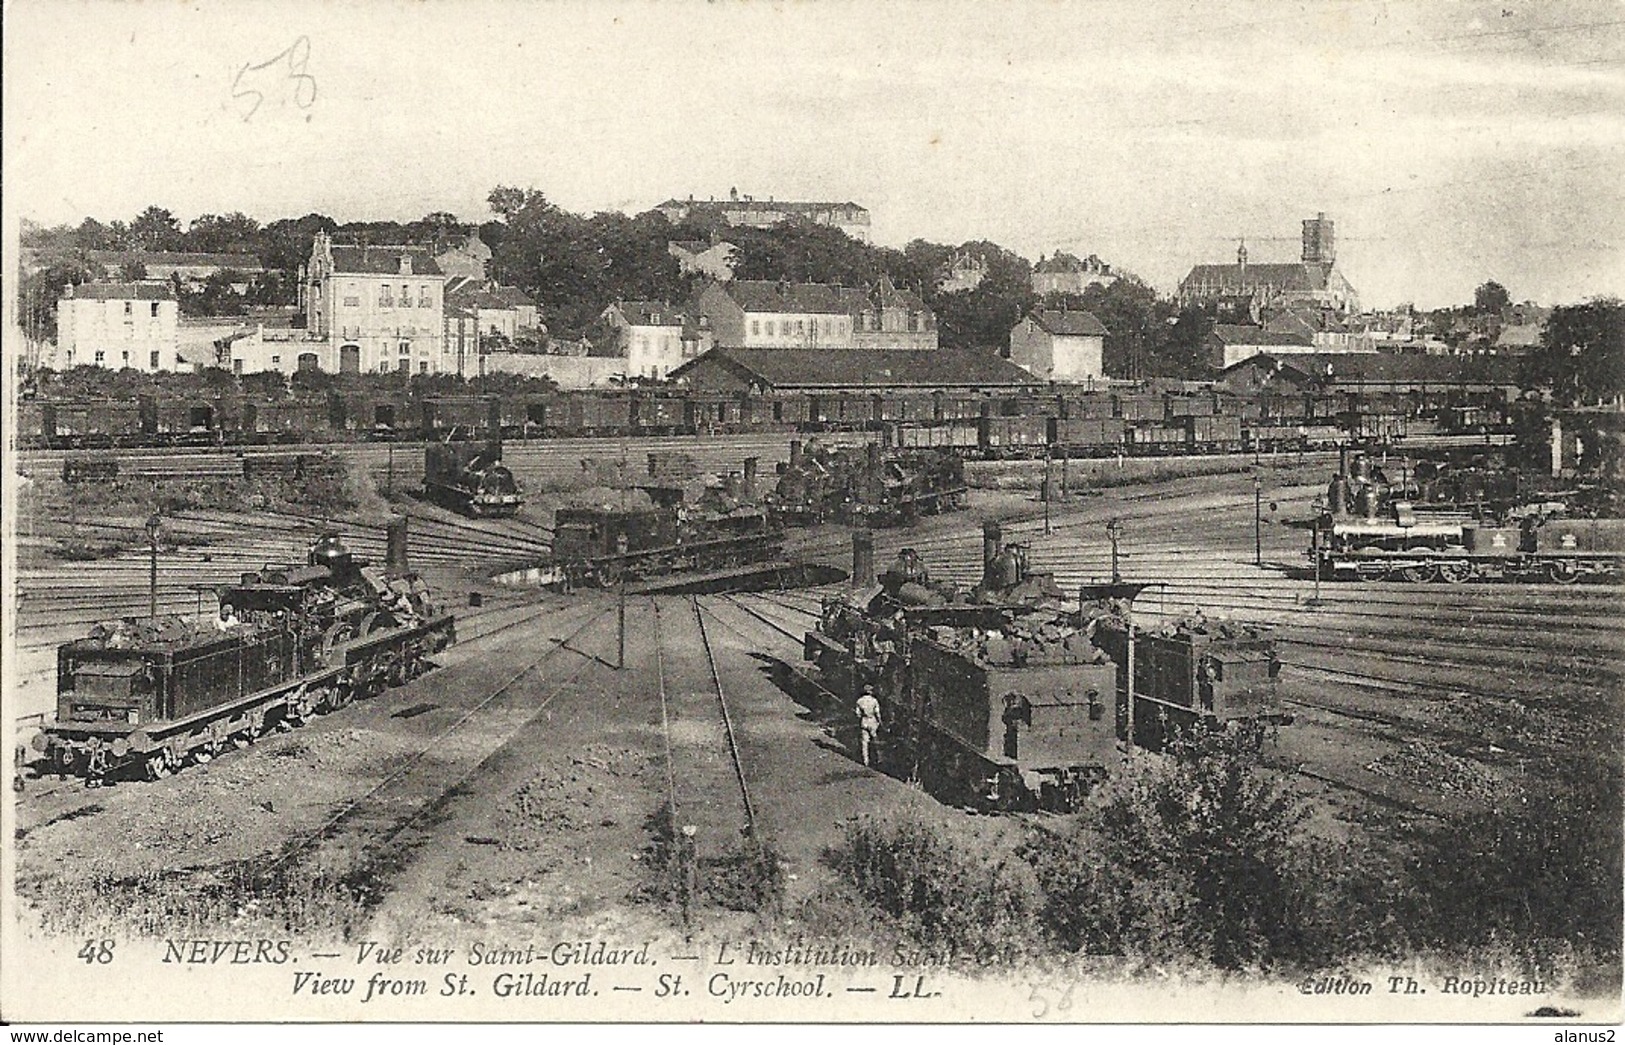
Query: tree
38	293
1490	298
234	233
1581	356
156	229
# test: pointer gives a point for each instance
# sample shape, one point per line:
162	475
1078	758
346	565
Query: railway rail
381	815
714	835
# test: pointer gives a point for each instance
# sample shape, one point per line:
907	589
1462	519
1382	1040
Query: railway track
373	822
715	845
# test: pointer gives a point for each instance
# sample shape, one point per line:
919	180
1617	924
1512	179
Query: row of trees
574	265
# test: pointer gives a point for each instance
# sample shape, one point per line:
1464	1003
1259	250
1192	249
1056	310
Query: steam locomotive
723	529
470	478
1435	524
868	485
998	698
148	697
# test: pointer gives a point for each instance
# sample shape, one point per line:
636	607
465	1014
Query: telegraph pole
1114	530
1258	521
152	574
620	609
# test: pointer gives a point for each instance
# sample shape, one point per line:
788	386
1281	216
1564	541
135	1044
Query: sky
1451	142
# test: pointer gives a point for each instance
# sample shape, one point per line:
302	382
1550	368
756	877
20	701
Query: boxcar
1088	436
1005	437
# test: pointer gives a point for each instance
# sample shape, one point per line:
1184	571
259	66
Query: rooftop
1068	322
384	261
247	262
148	291
873	368
755	295
1241	334
1393	367
1295	275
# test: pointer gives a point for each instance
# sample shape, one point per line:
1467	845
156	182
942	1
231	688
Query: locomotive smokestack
1343	461
795	453
395	545
992	538
863	558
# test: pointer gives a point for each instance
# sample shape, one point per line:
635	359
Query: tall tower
1319	242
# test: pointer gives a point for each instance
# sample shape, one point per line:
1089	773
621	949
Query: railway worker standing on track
868	709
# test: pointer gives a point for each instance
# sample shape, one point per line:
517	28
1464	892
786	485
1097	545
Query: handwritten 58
283	76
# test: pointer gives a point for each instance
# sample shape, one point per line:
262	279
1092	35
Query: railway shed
1372	373
872	371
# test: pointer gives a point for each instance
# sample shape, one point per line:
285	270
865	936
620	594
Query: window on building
126	358
800	326
101	357
276	360
352	301
423	367
236	366
755	327
155	357
128	308
406	348
385	300
423	297
406	296
155	310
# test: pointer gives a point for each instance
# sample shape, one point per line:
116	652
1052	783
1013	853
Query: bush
1193	857
950	898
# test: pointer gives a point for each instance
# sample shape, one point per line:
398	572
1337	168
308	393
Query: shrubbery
1203	857
948	897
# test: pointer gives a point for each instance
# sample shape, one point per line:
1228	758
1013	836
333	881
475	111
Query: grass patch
746	877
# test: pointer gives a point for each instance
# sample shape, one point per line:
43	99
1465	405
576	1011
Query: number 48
97	952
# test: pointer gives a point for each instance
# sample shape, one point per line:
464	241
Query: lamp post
152	573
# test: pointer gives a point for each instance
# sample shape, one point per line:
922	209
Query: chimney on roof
406	264
1241	257
68	291
733	194
784	287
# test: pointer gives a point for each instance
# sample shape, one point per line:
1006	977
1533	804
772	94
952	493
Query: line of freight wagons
993	425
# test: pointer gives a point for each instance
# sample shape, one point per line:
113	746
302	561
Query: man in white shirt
868	721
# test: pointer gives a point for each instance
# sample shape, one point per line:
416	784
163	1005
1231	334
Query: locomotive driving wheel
1455	571
158	765
1563	571
1418	572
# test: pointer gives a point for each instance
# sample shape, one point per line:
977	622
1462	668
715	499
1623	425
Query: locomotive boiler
146	697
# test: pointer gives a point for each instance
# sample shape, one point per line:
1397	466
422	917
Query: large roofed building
764	214
761	370
1314	280
377	308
